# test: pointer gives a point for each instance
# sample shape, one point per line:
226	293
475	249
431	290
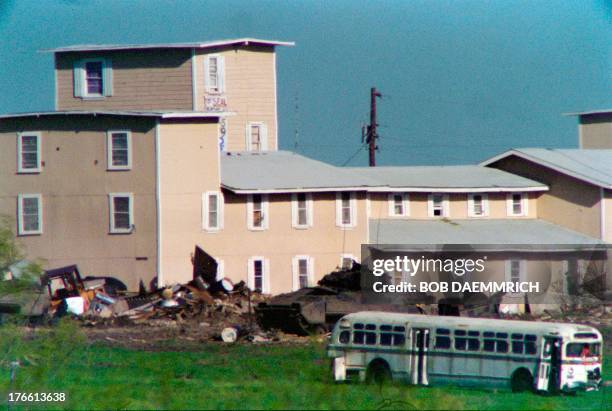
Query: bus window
358	326
489	345
358	337
399	329
385	328
502	346
344	337
502	335
370	338
473	333
399	339
517	347
473	344
488	334
576	350
530	347
459	332
585	335
517	336
530	337
370	326
460	343
443	331
386	338
443	342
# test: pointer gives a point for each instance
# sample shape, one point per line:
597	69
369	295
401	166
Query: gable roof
245	41
591	166
461	178
588	113
285	171
121	113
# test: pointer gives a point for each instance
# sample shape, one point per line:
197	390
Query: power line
354	154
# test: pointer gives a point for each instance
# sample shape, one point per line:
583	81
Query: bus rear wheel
521	381
378	372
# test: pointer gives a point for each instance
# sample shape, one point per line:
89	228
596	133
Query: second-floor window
398	204
214	69
212	211
478	205
121	213
438	205
28	153
256	136
346	209
257	210
301	210
119	149
29	213
516	204
93	78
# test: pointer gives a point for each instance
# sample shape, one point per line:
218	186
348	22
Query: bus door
549	369
420	348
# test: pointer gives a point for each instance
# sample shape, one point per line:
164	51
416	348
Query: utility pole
372	134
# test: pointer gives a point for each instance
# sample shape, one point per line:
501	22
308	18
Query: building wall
250	83
189	166
74	183
595	131
324	241
142	80
569	203
458	206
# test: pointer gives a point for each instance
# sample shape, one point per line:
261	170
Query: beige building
594	129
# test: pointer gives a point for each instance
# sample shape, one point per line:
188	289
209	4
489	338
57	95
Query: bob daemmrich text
457	267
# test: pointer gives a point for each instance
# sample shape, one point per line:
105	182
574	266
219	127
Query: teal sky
462	80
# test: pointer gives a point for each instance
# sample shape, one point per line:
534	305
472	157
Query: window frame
346	256
109	150
510	204
471	203
352	210
295	217
20	136
111	204
21	231
84	89
405	204
220	86
265	272
264	210
263	136
295	268
206	210
522	272
431	208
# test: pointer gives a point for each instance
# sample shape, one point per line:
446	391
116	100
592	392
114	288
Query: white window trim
220	269
264	135
445	206
83	70
296	270
20	224
522	272
405	205
220	204
344	256
265	273
485	205
264	208
353	205
109	150
20	168
111	208
220	74
524	205
294	211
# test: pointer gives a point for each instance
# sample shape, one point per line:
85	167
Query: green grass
229	377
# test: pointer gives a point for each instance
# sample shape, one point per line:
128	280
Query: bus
430	350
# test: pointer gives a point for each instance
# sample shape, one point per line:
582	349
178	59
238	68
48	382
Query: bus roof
536	327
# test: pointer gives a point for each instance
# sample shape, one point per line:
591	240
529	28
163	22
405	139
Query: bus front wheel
378	372
521	381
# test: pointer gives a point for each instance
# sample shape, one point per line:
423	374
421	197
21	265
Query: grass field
228	377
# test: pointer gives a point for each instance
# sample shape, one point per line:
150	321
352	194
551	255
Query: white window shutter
247	137
250	274
339	209
294	210
77	74
249	209
265	208
310	271
406	198
295	271
309	209
525	204
107	78
470	205
266	279
220	270
391	201
264	137
353	203
508	269
430	210
221	73
445	206
220	211
206	74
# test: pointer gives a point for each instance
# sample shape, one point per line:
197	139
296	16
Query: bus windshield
582	350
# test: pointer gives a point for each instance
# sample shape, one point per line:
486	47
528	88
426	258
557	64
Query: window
302	271
515	271
29	211
256	137
258	274
214	67
28	152
119	150
516	204
92	78
212	211
478	205
121	212
257	209
301	210
344	337
346	210
346	261
438	205
398	205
